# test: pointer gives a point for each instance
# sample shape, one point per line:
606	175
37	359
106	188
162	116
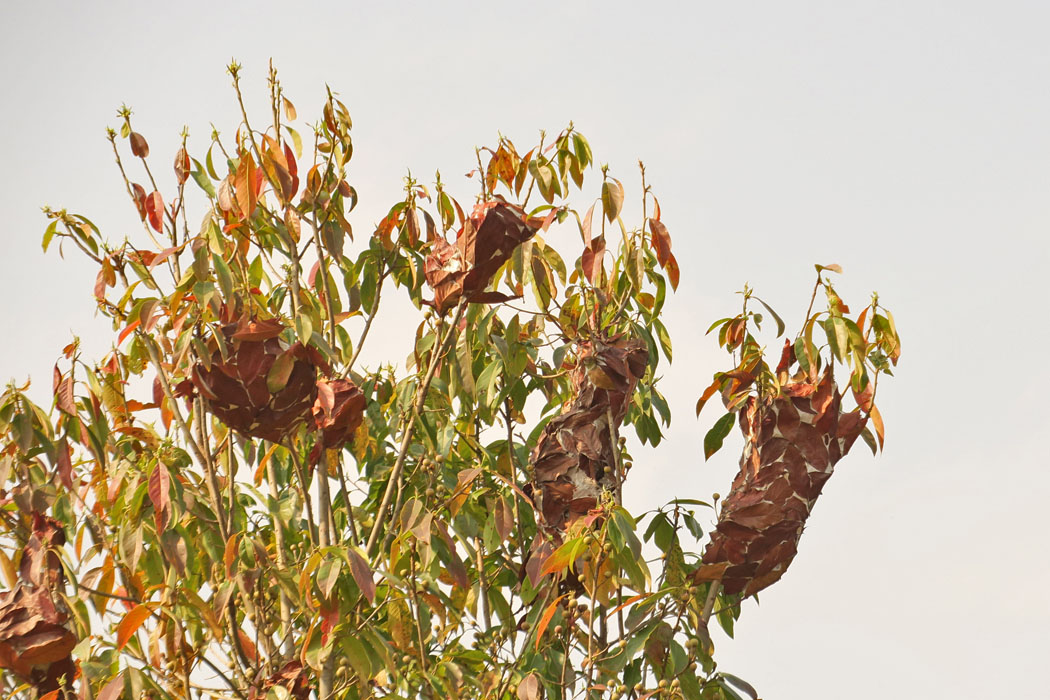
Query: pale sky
907	141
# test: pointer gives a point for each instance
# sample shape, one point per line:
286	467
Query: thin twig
417	408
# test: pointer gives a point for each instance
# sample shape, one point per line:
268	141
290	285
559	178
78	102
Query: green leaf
664	337
304	328
838	336
612	198
280	372
776	317
357	655
222	274
715	436
741	684
488	377
582	149
201	178
464	364
50	233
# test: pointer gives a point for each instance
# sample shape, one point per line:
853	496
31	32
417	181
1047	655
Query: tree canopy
229	504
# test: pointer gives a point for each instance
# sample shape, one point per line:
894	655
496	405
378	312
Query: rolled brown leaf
464	269
35	642
337	411
574	460
792	444
264	388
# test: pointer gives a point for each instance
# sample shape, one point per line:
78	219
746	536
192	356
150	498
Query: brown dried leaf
138	144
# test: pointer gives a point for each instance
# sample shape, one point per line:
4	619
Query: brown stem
417	408
282	561
709	603
368	322
514	476
198	451
211	480
483	586
312	530
614	438
346	501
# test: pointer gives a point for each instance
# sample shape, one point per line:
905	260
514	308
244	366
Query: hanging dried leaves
792	445
35	642
573	461
463	270
338	411
264	389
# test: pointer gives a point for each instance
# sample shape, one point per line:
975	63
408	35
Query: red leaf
661	242
293	170
139	195
593	257
138	145
362	574
155	211
65	464
160	495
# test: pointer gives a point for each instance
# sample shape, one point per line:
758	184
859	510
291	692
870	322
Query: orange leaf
127	331
880	429
131	623
261	470
182	165
629	601
229	556
247	645
546	618
708	393
673	273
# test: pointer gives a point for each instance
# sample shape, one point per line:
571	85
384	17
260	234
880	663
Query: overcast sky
907	141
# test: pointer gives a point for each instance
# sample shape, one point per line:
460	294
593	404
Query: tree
273	520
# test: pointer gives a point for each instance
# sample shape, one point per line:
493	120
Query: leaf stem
417	409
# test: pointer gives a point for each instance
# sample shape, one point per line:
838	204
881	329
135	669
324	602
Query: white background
907	141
